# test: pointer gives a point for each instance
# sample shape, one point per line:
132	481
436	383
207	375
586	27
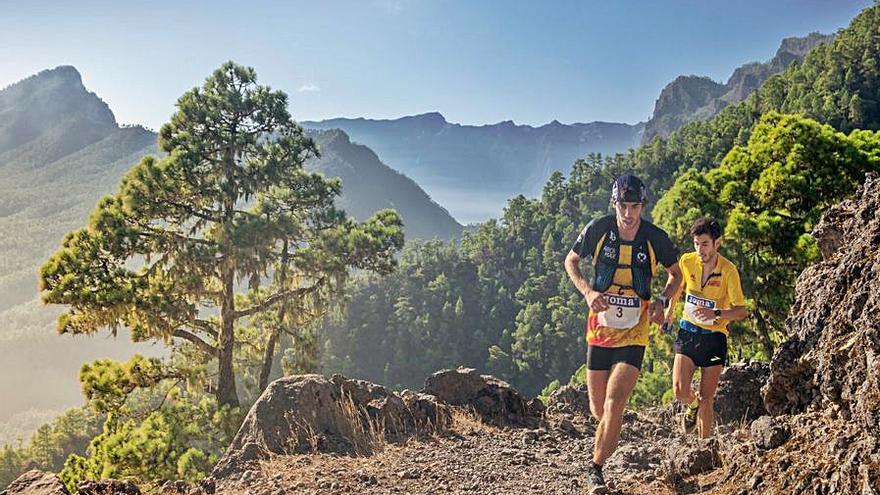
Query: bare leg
682	377
708	384
621	382
597	382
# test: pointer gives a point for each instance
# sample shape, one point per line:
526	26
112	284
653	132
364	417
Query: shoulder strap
642	267
605	260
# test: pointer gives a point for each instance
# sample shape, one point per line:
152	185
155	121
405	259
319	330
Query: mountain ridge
693	97
475	169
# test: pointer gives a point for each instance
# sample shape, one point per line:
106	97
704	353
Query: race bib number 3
623	312
692	302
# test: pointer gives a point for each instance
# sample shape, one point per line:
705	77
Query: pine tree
179	252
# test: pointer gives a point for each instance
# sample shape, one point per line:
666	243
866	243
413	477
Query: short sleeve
734	289
666	252
681	266
585	245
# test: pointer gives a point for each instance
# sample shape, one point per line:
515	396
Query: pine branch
274	298
201	344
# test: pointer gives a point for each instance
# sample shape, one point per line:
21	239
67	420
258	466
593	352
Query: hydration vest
607	261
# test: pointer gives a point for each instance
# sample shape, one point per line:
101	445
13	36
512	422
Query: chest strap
607	261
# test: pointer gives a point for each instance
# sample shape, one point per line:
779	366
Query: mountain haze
368	185
473	170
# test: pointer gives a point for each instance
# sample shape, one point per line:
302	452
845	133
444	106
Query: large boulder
493	399
36	482
306	413
739	392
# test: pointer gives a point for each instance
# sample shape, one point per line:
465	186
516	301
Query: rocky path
473	457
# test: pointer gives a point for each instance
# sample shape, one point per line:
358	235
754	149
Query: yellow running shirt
626	322
722	290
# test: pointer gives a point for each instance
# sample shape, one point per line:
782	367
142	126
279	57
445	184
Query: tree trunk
276	330
764	333
226	393
268	358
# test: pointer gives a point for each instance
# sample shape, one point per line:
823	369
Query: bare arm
676	294
671	290
593	298
735	313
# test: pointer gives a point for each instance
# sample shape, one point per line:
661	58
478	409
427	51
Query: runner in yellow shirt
713	298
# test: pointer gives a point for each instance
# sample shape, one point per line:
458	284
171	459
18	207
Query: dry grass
353	425
466	421
366	435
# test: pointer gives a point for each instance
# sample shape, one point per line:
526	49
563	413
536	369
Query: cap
628	189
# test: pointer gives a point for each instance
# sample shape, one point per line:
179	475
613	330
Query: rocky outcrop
738	398
36	482
493	399
309	413
833	351
570	399
824	383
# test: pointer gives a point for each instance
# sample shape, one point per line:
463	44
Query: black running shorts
704	349
603	358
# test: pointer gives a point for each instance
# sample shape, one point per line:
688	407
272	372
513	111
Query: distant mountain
60	150
368	185
690	98
474	170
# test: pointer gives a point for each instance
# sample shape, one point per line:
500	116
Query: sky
476	62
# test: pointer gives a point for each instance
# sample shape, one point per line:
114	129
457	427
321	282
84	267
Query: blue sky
474	61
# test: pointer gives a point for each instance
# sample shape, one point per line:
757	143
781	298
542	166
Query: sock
695	404
597	467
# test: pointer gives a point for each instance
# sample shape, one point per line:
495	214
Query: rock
829	232
826	376
178	487
306	413
739	392
108	487
36	482
769	432
425	410
536	406
689	460
493	399
790	388
570	399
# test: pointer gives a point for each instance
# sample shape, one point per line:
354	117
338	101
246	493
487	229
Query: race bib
623	312
692	302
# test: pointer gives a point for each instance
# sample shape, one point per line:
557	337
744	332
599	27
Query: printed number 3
619	312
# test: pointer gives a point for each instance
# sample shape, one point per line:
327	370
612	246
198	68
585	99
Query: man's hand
667	326
670	310
705	314
655	311
596	300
